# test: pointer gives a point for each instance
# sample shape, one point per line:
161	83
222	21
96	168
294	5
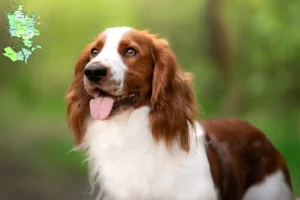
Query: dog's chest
130	165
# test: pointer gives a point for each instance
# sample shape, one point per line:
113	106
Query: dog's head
124	69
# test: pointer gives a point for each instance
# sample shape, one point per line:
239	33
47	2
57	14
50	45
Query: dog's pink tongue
101	107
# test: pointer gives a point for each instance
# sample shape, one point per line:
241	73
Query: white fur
109	55
129	165
274	187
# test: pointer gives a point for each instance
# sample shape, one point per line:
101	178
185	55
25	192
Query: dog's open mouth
103	103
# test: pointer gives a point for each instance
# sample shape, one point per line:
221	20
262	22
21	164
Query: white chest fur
129	165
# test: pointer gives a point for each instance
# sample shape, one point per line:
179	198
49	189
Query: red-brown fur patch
77	98
240	156
173	104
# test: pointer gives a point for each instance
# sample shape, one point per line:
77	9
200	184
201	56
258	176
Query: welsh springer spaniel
132	108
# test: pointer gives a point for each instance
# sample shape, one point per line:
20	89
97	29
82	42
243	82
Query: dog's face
119	72
123	69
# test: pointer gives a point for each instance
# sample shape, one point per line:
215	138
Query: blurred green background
245	56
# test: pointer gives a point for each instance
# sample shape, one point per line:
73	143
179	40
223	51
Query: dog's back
248	165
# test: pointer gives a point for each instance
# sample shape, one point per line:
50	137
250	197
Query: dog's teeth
96	93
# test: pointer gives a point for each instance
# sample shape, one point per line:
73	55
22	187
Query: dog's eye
94	51
130	52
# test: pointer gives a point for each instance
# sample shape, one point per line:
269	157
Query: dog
133	110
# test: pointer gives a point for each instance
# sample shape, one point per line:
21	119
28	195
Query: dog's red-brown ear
77	98
173	105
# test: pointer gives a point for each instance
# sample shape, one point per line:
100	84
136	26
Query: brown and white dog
132	108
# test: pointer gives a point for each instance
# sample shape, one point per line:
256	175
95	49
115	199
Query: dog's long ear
77	98
173	105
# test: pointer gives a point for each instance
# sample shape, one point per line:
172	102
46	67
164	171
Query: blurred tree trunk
220	50
218	41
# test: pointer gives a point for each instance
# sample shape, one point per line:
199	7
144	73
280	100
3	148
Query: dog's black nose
94	72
